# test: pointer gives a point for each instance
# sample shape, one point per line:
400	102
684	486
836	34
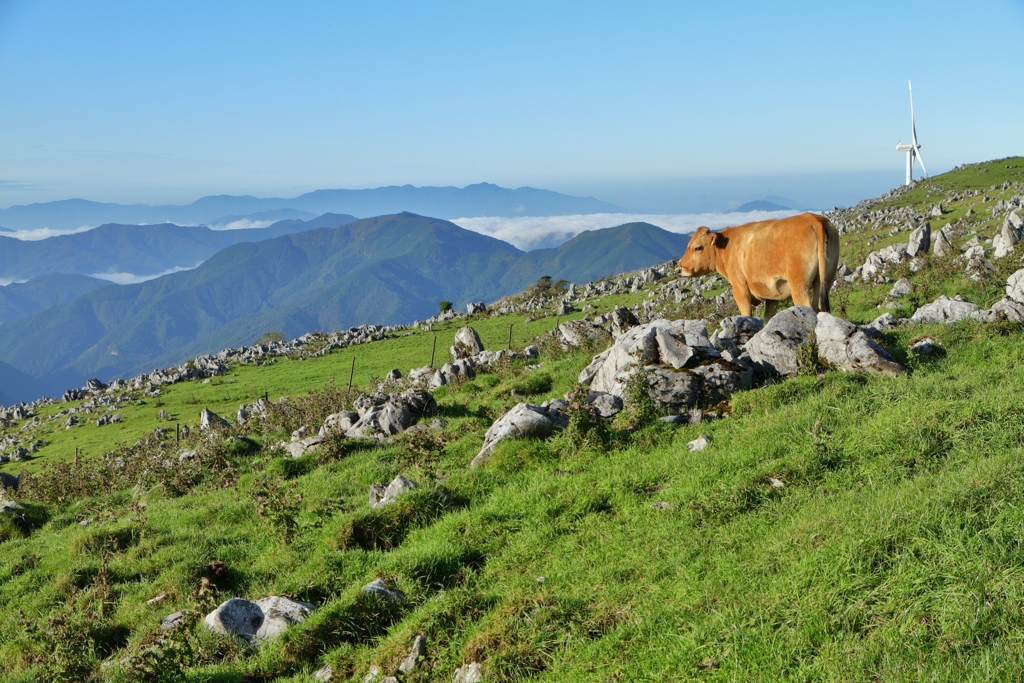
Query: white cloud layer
542	232
241	224
42	233
132	279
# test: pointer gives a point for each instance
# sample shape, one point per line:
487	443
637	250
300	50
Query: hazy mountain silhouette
482	199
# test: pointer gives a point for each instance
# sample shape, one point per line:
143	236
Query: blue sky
648	104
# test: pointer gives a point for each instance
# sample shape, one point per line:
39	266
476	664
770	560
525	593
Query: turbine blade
913	129
917	153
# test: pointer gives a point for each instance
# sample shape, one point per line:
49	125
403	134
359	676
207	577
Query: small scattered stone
419	649
383	591
776	484
699	444
173	620
469	673
661	505
324	674
381	495
157	600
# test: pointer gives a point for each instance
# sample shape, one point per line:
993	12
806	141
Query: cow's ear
711	239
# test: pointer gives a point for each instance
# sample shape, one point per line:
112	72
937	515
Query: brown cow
769	261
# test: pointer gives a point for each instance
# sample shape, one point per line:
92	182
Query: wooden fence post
432	350
351	373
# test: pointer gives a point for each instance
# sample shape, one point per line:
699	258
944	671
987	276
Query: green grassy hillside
891	550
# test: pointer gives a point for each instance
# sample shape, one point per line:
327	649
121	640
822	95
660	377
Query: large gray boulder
1006	239
676	343
946	310
941	246
524	420
467	343
253	622
920	240
845	347
774	348
1015	286
1007	309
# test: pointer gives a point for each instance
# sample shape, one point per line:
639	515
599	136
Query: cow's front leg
743	301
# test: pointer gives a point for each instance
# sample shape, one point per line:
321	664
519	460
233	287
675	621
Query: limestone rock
606	405
381	495
1015	287
173	620
209	419
775	347
297	449
476	307
469	673
721	380
672	389
622	320
380	589
920	240
676	343
845	347
419	649
338	423
524	420
580	333
901	288
699	444
324	674
946	310
941	246
736	331
1008	309
467	343
9	481
252	622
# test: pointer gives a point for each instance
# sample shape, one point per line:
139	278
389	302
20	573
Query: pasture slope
892	550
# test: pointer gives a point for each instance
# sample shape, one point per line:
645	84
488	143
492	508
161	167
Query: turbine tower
913	150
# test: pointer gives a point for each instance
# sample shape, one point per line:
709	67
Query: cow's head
699	258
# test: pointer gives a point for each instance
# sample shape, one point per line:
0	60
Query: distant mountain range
482	199
138	250
762	205
386	270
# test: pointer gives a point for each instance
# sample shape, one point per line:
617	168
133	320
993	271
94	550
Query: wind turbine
913	150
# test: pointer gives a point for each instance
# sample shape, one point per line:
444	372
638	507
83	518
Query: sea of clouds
543	232
132	278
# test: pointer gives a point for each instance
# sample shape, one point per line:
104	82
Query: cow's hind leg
770	307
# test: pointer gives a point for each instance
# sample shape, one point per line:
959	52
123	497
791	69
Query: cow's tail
821	227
